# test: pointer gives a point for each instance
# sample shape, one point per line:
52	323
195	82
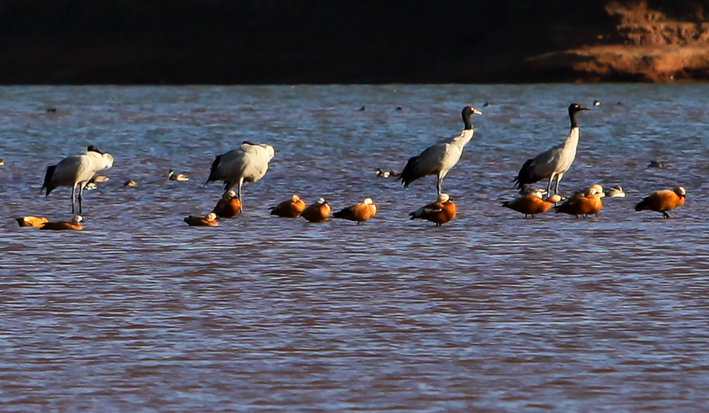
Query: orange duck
290	208
317	212
438	212
663	201
532	204
358	212
206	221
229	206
586	203
74	225
31	221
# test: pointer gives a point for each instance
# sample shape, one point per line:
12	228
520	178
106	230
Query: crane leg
73	197
558	179
81	196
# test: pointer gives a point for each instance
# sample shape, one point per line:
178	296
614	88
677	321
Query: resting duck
532	203
290	208
359	212
586	203
439	212
207	221
229	206
74	225
386	174
317	212
615	192
31	221
177	177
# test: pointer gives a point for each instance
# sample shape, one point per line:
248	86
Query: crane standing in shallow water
247	163
439	158
553	163
76	171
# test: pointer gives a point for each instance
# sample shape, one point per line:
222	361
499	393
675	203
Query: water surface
489	313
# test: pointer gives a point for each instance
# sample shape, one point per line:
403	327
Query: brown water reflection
491	312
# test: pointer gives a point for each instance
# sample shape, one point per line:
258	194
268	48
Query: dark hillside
311	41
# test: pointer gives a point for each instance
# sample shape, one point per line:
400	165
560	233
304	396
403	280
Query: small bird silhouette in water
131	182
177	177
656	164
381	173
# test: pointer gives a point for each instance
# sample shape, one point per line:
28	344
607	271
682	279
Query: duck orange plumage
663	201
290	208
31	221
532	204
74	225
585	203
206	221
439	212
229	206
317	212
358	212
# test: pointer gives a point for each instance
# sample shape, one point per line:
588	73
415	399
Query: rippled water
489	313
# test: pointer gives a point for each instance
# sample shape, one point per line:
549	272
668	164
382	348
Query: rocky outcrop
645	45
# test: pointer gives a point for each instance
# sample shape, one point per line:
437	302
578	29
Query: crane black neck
467	114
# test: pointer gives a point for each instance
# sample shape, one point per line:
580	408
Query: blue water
490	312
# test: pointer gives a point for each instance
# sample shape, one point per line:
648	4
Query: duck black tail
643	205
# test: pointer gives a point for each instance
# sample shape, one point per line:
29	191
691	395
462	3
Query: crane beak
581	107
476	112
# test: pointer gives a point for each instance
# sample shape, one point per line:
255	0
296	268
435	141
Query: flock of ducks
249	163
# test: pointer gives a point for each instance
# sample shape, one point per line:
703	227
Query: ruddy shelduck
207	221
439	212
177	177
663	201
229	206
31	221
359	212
291	208
317	212
74	224
439	158
76	172
586	203
532	204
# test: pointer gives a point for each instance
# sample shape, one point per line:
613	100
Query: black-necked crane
247	163
439	158
76	171
553	163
